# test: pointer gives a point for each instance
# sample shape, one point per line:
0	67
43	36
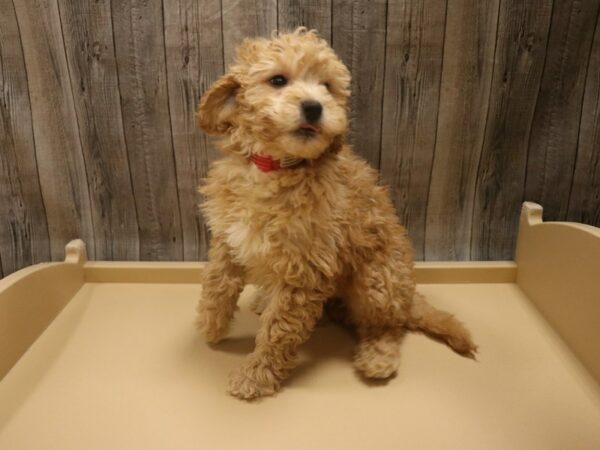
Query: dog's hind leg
222	282
378	352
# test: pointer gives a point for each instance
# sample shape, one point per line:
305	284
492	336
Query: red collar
266	163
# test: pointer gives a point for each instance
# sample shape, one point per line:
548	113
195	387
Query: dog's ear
217	106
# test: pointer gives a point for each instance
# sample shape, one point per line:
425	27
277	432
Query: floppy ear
217	106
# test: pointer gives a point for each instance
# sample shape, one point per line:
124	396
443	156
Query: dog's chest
248	226
247	242
272	226
259	232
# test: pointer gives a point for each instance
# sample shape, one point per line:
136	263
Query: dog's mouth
307	130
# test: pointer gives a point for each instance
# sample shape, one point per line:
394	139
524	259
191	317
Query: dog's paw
252	381
259	301
375	366
211	324
379	357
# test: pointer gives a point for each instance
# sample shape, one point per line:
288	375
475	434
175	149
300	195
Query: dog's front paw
252	381
211	322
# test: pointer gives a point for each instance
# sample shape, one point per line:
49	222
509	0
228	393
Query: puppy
295	212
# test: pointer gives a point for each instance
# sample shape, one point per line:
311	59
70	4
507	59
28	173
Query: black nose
312	110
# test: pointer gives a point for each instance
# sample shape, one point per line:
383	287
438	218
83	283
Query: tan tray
104	355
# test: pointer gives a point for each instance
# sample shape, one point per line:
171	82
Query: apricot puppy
295	212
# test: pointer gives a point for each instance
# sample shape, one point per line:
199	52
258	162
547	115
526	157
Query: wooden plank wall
466	107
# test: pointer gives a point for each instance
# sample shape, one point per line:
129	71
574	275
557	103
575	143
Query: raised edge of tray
189	272
559	271
557	267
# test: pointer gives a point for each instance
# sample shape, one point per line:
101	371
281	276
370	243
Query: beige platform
99	355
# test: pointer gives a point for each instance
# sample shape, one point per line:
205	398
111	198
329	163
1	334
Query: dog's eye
278	80
327	85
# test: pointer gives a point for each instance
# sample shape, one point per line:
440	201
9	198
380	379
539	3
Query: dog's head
286	96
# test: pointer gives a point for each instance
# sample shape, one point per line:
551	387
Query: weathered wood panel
415	42
313	14
553	143
140	50
467	108
194	62
61	166
584	203
248	18
469	47
24	236
87	32
358	37
520	52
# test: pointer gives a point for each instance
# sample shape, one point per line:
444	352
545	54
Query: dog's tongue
308	126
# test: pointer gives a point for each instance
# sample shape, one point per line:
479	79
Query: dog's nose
312	110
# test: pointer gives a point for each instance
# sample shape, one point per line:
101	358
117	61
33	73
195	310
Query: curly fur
306	234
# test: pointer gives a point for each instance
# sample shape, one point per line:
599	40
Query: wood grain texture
415	42
470	39
194	62
584	203
87	32
140	50
520	53
24	238
358	37
61	166
466	107
555	128
313	14
246	18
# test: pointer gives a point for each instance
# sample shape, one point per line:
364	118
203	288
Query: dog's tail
440	325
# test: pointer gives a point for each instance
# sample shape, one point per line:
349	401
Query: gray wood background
467	107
